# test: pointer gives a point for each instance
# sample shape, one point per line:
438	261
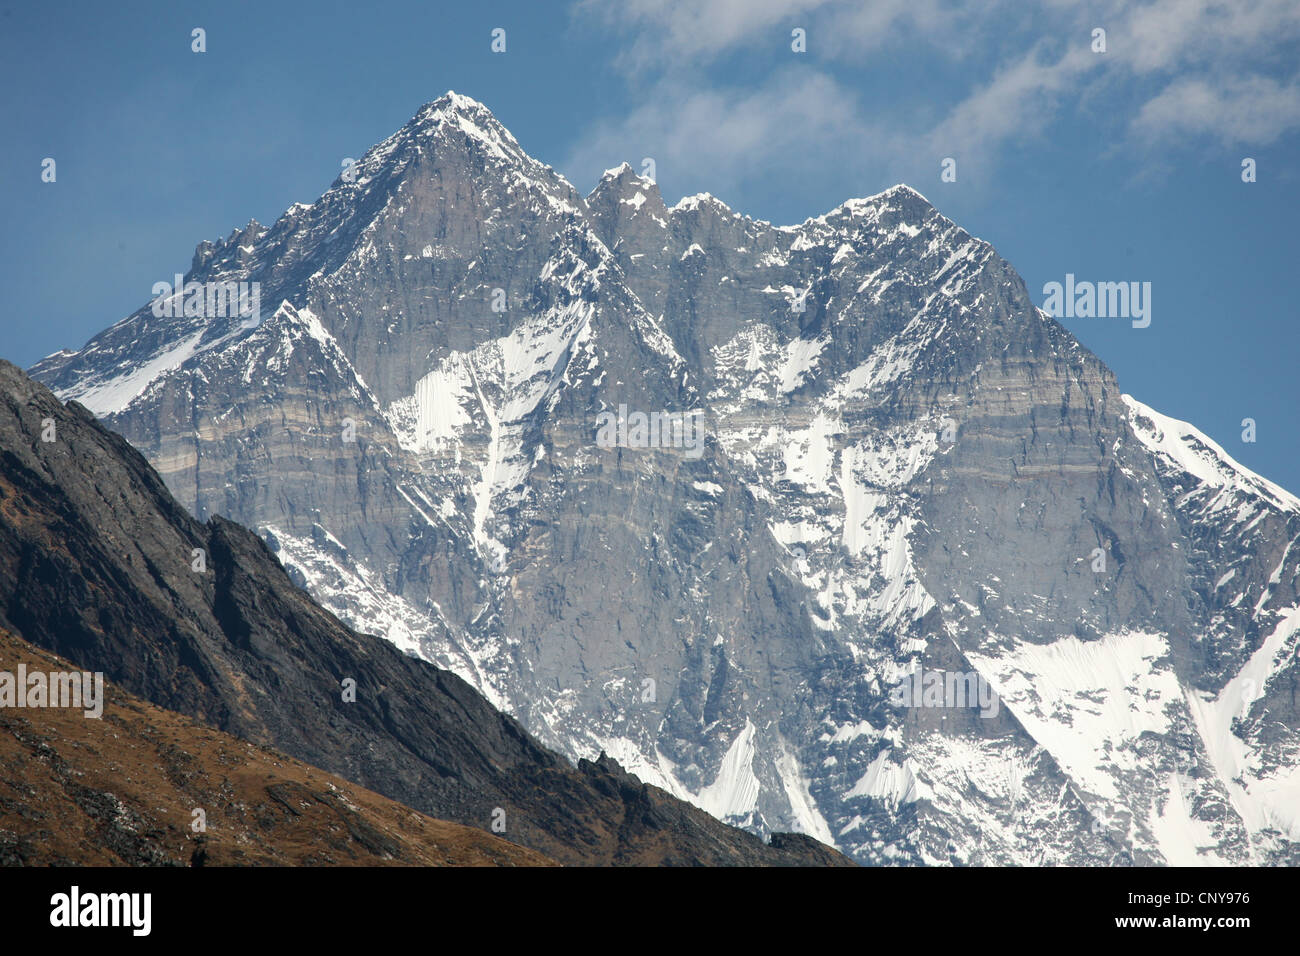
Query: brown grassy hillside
122	789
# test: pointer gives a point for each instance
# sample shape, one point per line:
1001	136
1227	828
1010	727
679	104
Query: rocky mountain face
100	565
450	426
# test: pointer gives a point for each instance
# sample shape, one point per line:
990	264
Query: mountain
100	565
121	789
902	464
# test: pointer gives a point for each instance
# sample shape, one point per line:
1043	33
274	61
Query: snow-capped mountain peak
711	496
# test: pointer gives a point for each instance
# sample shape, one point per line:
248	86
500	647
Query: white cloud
717	139
1018	101
1169	35
1173	68
1163	37
1235	111
677	32
668	31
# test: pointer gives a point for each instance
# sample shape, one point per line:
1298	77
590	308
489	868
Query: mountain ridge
905	462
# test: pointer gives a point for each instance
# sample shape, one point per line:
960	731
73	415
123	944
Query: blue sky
1115	166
